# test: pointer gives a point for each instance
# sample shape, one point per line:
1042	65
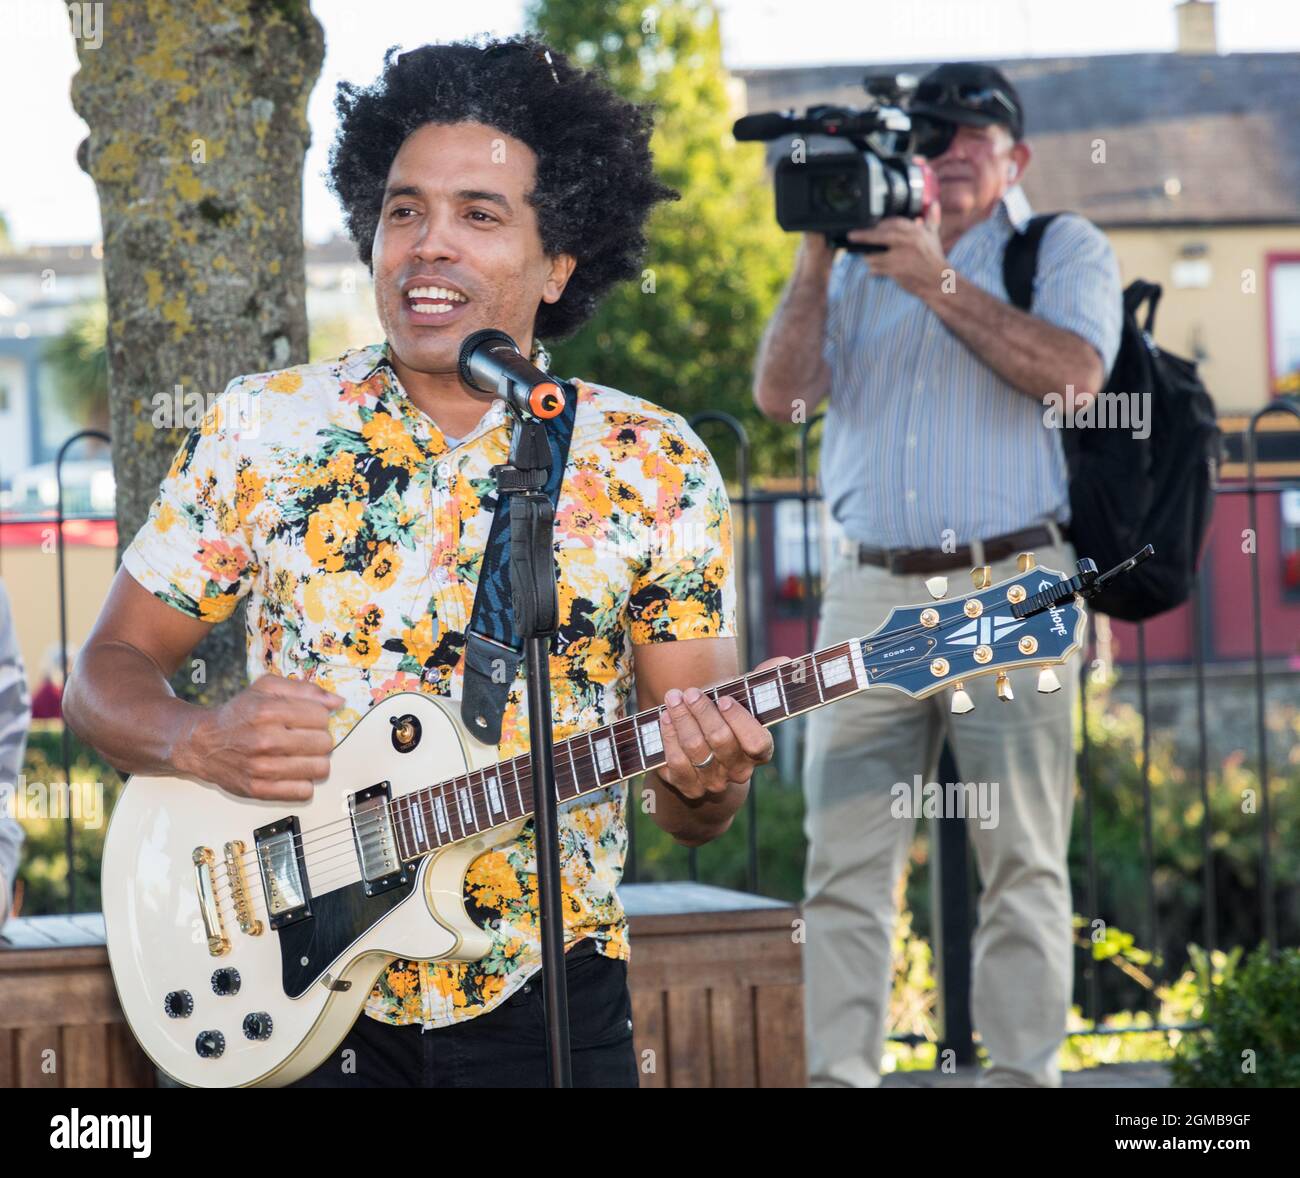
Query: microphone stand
536	613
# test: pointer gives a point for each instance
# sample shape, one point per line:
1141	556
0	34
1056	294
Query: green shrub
43	868
1252	1034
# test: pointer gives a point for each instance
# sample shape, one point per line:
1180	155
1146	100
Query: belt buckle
891	561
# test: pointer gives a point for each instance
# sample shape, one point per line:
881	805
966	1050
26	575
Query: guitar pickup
284	872
375	838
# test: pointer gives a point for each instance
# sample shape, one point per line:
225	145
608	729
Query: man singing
936	458
494	186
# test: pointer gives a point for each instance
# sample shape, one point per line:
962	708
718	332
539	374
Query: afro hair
595	183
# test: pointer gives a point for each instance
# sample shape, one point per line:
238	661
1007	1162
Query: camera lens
836	193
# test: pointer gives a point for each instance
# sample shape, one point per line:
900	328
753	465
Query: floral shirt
325	495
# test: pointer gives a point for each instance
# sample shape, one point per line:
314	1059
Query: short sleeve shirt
924	443
356	531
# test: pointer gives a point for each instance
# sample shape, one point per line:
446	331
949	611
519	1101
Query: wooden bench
715	980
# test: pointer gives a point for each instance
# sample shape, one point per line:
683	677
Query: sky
48	200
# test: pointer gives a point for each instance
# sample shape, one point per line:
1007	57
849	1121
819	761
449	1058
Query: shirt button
911	439
911	496
528	989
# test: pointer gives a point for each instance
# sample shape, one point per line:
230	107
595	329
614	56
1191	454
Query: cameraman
936	458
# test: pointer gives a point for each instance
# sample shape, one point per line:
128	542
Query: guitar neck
484	799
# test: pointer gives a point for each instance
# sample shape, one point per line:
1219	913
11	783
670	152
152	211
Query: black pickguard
337	919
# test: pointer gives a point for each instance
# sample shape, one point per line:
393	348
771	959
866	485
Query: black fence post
1292	406
950	915
70	843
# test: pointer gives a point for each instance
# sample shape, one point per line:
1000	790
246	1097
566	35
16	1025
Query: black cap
970	93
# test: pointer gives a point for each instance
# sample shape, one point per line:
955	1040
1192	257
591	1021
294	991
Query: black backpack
1125	491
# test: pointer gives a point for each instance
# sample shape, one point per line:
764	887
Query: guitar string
345	875
626	743
625	740
344	836
346	852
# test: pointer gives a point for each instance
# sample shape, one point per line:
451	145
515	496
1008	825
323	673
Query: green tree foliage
686	335
78	362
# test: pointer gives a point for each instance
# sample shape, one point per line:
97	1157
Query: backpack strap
1020	260
1140	291
493	649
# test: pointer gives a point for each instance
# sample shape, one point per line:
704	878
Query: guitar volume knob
257	1025
179	1004
225	982
210	1044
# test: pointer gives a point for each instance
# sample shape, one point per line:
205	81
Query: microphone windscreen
765	126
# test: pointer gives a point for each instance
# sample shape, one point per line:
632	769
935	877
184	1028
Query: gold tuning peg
1026	561
1004	687
980	577
1047	681
961	702
936	587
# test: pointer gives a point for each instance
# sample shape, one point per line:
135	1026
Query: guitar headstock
921	649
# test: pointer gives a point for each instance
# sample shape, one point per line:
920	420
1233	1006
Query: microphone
764	126
491	362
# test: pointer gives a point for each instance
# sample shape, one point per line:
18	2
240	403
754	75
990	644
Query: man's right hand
271	741
816	254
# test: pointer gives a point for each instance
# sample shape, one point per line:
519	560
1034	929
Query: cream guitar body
178	947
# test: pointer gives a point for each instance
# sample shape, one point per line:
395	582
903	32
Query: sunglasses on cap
932	135
984	100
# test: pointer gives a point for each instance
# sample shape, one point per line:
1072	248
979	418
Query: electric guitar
245	936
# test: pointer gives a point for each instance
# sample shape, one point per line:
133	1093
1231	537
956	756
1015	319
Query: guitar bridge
235	876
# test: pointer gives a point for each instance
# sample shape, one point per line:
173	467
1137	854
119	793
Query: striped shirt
923	442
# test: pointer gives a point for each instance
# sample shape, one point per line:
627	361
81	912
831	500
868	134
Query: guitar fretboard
484	799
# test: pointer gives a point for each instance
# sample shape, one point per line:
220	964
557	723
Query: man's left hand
710	747
914	256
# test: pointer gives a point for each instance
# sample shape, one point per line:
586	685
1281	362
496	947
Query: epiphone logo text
1056	613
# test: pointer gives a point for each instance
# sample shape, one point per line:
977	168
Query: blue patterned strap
493	648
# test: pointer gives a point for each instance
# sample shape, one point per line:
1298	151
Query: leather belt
936	560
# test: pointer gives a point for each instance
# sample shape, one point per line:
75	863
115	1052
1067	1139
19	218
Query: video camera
833	191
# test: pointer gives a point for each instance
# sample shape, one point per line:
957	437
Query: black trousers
505	1048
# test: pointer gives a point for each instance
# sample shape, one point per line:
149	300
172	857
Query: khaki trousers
857	751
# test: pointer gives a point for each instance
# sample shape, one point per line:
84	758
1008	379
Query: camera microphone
491	362
761	127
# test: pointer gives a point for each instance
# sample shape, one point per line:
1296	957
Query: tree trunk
197	112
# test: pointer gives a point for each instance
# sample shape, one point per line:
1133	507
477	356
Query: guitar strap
493	648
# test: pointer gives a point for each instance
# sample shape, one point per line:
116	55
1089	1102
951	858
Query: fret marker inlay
651	742
494	796
766	697
465	803
836	671
604	757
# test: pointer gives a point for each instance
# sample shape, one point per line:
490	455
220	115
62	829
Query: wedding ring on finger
704	763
